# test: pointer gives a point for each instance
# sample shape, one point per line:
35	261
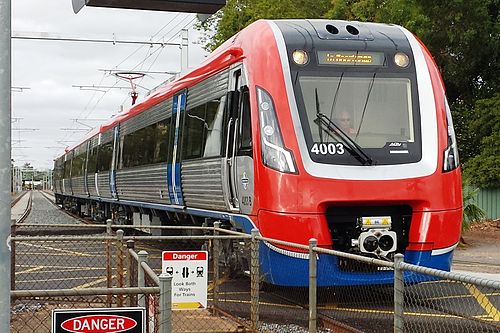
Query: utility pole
184	50
5	161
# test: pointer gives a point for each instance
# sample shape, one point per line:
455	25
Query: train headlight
300	57
370	243
274	153
401	59
450	158
376	241
385	242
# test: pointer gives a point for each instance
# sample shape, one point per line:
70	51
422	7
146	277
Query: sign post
5	162
189	272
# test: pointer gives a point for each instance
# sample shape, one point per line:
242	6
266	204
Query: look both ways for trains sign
189	272
106	320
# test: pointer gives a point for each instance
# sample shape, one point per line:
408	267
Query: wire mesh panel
34	315
444	305
60	264
353	294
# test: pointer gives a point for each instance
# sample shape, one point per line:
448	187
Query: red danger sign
115	320
99	324
185	255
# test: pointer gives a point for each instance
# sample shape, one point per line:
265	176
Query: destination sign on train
351	58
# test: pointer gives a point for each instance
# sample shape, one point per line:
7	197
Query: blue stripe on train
284	270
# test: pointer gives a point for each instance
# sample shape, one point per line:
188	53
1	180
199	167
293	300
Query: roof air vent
332	29
352	30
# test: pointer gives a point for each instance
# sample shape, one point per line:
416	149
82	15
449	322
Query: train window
67	168
77	166
194	125
377	111
160	153
373	112
245	121
148	145
104	156
213	136
92	161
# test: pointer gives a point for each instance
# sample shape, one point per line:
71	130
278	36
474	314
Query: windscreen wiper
323	121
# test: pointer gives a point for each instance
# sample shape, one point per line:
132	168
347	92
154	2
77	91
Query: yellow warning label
187	306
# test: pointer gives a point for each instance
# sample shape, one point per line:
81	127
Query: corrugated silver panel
91	185
78	185
58	186
202	184
103	184
207	90
158	112
66	186
145	184
107	136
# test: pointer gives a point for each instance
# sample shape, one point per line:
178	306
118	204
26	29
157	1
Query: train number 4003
330	148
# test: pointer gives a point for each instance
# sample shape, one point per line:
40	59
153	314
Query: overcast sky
50	68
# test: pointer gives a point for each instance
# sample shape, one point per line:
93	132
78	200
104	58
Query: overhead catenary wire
88	110
93	103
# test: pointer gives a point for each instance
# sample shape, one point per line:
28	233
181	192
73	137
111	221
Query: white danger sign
189	271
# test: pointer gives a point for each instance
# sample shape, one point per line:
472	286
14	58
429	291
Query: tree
483	170
237	14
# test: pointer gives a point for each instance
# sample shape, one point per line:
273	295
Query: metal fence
105	269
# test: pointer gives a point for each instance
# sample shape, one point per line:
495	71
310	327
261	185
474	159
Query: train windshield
352	120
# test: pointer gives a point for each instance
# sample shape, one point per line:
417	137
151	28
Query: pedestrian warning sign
189	272
109	320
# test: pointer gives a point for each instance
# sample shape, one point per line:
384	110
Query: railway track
16	199
27	211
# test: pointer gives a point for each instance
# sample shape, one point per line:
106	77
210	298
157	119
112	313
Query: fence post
312	285
109	268
398	294
141	279
120	277
254	280
130	271
215	258
165	325
13	229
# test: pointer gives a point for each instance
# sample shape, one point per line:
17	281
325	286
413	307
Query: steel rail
27	210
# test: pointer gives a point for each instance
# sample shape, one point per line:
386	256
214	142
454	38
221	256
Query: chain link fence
448	302
101	268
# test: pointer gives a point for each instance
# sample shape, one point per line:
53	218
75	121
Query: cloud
51	68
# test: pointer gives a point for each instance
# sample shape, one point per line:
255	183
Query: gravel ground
44	211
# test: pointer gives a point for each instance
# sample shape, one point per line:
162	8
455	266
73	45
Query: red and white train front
356	148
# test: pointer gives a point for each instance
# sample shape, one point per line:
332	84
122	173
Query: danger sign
123	320
189	272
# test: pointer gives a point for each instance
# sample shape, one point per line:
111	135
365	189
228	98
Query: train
327	129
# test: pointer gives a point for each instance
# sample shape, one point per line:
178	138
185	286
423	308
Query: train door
174	165
238	153
112	171
85	169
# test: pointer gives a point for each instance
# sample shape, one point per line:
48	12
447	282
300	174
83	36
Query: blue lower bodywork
286	270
